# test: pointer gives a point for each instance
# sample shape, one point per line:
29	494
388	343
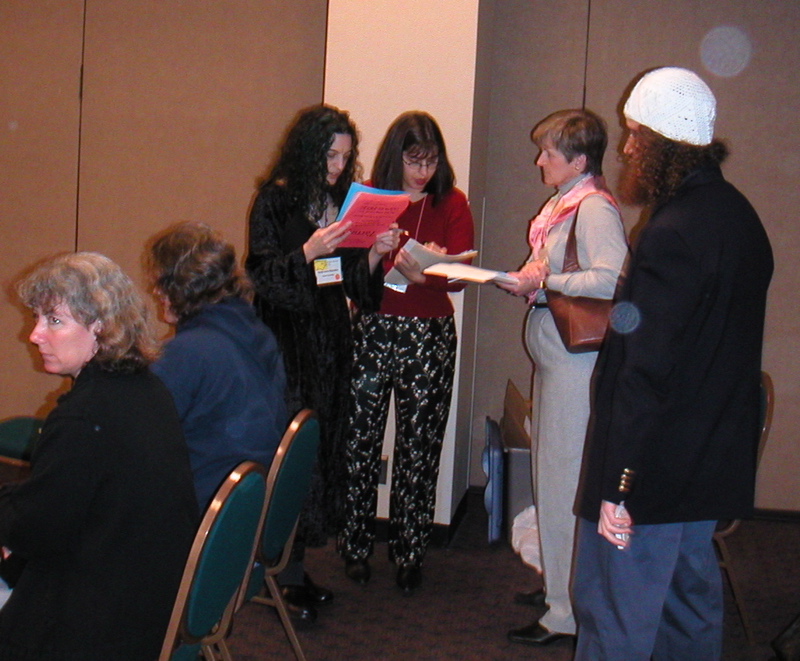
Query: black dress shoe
298	604
536	634
358	571
409	578
317	595
535	598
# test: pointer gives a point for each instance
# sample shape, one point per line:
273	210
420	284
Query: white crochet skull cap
676	103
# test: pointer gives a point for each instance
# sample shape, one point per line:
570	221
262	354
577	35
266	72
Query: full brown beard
640	170
632	189
653	170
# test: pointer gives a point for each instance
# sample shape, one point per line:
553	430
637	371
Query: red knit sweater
449	225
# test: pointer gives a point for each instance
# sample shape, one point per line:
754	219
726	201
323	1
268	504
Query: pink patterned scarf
557	209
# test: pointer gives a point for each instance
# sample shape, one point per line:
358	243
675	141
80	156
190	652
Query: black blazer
677	384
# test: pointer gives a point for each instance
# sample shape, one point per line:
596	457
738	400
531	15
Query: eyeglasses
429	164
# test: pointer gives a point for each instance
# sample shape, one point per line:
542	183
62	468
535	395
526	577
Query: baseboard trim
789	516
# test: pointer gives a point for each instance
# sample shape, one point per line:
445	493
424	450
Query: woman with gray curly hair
104	522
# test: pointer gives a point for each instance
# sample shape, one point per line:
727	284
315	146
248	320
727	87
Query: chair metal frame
271	566
724	529
213	642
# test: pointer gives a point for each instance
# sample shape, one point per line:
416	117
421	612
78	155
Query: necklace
393	254
419	220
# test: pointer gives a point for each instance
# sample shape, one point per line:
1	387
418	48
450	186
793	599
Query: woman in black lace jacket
292	236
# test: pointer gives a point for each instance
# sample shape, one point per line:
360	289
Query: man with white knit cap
672	445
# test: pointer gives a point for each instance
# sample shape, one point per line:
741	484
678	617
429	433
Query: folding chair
218	567
287	487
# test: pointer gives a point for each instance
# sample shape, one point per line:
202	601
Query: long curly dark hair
302	166
657	166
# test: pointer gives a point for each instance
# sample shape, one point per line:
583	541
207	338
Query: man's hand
610	524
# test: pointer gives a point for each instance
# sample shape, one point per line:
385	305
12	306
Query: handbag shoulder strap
571	250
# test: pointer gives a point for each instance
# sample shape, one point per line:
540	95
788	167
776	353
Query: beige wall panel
424	59
419	64
537	68
184	105
469	381
40	57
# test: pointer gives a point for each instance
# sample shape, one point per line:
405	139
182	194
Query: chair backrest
288	483
18	436
767	393
219	562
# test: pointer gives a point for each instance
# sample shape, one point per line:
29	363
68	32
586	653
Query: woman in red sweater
408	347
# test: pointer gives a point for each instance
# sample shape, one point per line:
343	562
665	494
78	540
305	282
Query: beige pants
559	417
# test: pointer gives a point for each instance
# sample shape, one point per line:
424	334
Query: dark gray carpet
465	607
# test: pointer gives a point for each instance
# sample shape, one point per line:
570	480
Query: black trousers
414	358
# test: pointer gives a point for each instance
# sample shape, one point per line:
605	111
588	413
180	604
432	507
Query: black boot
409	578
317	595
298	604
358	571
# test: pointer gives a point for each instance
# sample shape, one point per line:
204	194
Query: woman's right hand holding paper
529	278
325	240
385	242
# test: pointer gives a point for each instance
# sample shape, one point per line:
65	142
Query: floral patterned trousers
414	358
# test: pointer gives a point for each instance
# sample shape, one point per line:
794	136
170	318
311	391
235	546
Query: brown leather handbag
581	321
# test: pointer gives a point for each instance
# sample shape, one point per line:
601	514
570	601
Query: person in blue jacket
223	367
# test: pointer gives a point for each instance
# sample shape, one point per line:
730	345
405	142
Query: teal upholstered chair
287	487
725	528
18	436
217	568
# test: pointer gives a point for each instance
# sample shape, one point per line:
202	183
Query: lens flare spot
625	317
726	50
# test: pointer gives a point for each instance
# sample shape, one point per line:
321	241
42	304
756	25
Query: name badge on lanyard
328	271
